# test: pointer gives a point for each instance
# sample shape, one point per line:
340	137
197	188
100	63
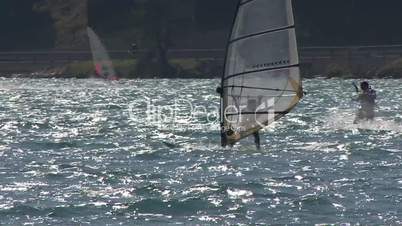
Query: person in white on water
366	98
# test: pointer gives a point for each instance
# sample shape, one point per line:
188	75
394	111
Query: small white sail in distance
262	80
101	59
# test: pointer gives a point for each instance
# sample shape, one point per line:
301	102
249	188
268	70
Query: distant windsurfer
103	72
367	98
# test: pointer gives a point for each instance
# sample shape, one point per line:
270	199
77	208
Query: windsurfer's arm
357	98
356	87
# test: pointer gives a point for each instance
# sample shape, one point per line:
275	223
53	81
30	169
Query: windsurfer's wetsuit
367	105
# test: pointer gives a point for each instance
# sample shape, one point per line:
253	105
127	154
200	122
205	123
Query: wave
341	119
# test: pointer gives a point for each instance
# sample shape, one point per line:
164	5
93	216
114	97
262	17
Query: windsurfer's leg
358	117
257	140
370	115
225	134
223	140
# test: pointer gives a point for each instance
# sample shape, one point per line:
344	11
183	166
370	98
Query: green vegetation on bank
391	70
184	68
338	71
86	68
206	68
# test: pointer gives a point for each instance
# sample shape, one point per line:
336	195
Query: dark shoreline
27	76
324	61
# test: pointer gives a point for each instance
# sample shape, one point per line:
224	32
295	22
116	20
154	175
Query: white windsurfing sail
262	81
102	62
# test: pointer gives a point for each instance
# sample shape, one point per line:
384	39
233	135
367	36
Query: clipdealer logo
240	118
182	114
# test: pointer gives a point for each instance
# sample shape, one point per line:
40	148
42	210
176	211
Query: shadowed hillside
42	24
70	19
158	26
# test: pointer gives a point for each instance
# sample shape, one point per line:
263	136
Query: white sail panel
102	62
259	16
270	50
255	104
262	79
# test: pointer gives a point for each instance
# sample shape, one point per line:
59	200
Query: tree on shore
70	21
156	21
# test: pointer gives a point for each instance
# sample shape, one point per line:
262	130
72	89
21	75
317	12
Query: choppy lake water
78	152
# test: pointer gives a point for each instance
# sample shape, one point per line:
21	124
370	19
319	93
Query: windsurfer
367	99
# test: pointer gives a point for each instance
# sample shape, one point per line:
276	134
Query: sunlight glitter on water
70	153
